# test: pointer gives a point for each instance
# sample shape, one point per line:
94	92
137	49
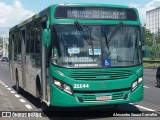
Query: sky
15	11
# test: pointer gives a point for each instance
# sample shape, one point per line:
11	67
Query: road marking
17	95
9	88
6	86
12	92
145	108
148	109
28	106
3	84
145	87
22	100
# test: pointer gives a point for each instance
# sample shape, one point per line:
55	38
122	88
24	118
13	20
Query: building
153	20
1	47
4	46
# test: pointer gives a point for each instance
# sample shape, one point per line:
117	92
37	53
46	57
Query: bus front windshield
96	46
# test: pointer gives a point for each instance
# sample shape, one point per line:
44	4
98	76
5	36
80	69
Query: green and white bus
72	55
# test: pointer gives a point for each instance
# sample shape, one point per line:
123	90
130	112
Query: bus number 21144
81	85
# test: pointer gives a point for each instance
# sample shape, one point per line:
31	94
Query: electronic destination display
67	12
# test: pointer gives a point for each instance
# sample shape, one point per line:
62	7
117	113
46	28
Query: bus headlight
66	88
136	83
140	80
57	83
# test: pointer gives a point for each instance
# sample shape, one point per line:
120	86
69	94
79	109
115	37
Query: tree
153	41
148	37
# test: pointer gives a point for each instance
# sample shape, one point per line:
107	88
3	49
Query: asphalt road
10	101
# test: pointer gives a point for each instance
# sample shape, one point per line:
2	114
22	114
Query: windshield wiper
114	32
110	37
82	32
77	24
105	36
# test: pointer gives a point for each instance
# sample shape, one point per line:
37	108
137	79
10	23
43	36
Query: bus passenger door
45	64
23	57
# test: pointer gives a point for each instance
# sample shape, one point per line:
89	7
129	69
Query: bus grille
89	97
100	75
116	96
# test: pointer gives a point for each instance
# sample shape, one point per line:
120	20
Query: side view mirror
46	37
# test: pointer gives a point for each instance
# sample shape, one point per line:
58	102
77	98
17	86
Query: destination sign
66	12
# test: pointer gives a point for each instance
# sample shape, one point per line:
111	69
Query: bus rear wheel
17	84
38	90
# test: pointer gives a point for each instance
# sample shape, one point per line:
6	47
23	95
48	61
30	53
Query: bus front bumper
61	99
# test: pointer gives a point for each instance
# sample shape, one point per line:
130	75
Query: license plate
103	98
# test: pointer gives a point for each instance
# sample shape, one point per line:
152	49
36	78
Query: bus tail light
66	88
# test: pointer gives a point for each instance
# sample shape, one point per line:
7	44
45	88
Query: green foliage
150	65
147	58
153	42
148	37
155	51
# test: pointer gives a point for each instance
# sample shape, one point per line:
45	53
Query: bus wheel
17	84
44	107
38	90
158	82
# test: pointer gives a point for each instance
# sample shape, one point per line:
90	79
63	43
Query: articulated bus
72	55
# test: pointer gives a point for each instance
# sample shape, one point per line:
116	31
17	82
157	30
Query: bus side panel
19	70
30	77
11	57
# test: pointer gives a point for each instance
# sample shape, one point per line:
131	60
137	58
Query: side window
37	36
19	43
11	37
33	41
28	37
15	44
32	38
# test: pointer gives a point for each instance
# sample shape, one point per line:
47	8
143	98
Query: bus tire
44	107
158	82
17	84
38	88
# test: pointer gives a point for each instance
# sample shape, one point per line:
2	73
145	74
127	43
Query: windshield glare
71	47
